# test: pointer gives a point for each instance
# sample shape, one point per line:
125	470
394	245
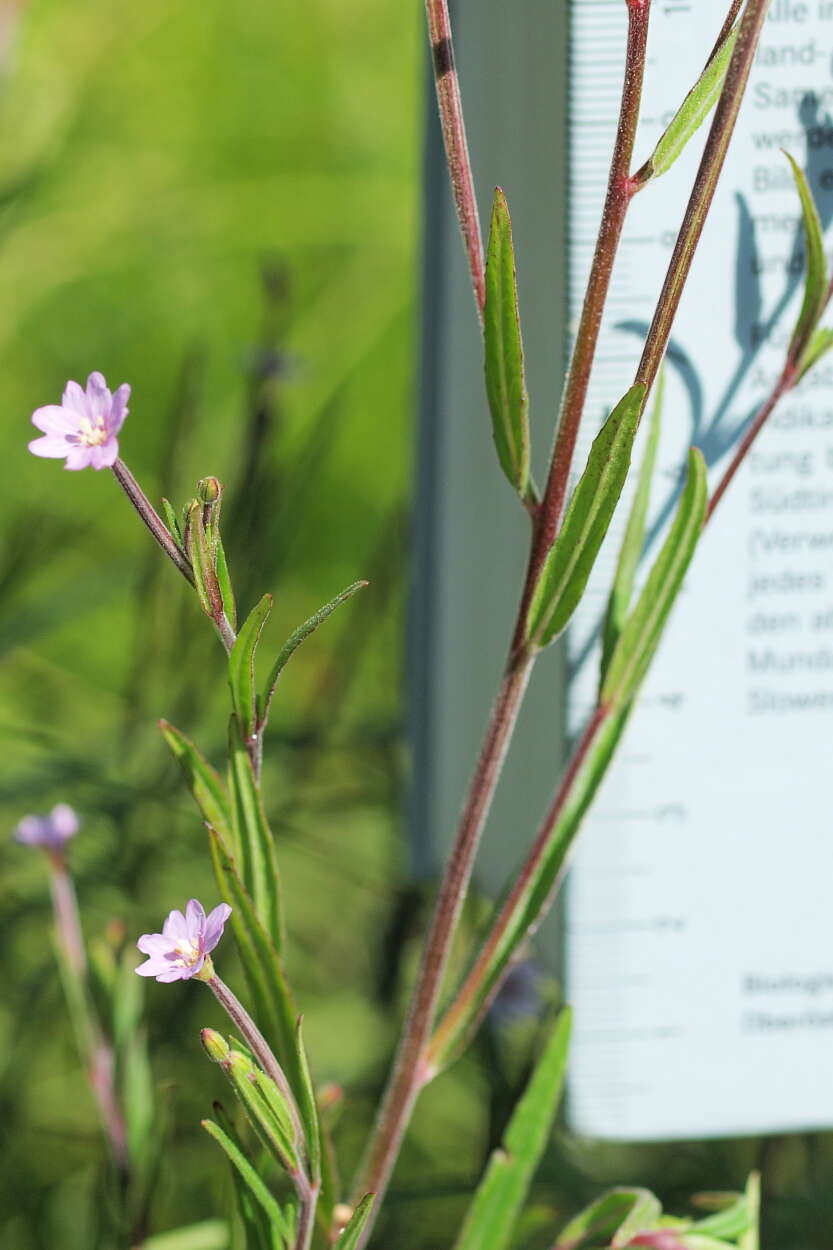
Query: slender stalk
152	519
705	184
96	1051
260	1048
408	1076
620	191
468	990
783	385
456	144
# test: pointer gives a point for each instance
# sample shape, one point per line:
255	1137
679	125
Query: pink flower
83	428
50	831
181	949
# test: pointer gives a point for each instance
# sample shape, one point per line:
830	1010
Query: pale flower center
188	951
89	434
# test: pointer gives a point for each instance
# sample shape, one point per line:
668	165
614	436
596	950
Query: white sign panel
699	928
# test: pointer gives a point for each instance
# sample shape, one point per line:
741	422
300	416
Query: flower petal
52	446
191	970
104	456
75	399
118	409
177	973
194	919
53	419
214	922
154	944
150	968
78	457
175	926
64	821
99	398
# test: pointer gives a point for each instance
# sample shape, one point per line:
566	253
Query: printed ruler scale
699	931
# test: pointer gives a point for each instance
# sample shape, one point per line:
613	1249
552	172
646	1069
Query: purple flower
50	831
181	949
83	428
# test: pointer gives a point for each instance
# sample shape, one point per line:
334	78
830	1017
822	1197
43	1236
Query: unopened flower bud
214	1045
209	489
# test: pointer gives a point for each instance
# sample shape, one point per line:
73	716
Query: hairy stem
456	145
711	164
408	1076
152	519
620	190
260	1048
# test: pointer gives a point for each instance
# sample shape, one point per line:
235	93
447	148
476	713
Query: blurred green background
220	204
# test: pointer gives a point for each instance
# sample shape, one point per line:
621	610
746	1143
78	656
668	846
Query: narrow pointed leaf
491	1218
815	276
206	1235
226	588
573	554
249	1176
751	1239
274	1008
598	1223
241	666
172	522
258	858
505	381
634	536
820	344
202	561
203	781
350	1234
300	635
642	632
308	1109
694	109
730	1222
643	1216
274	1130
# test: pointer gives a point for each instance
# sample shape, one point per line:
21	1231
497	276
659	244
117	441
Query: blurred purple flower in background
180	950
51	831
83	428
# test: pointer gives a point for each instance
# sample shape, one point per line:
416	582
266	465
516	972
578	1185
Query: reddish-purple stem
456	145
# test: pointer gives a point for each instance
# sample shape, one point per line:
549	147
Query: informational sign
698	934
699	927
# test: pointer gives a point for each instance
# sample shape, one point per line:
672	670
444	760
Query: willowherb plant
265	1062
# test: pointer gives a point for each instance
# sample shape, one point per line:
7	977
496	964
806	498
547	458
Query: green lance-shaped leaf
241	666
693	111
300	635
519	915
751	1239
599	1222
730	1221
203	781
257	1228
253	837
172	522
202	557
206	1235
815	276
224	582
820	343
505	381
491	1218
634	536
642	632
573	554
644	1216
251	1179
270	1121
351	1232
308	1109
274	1008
